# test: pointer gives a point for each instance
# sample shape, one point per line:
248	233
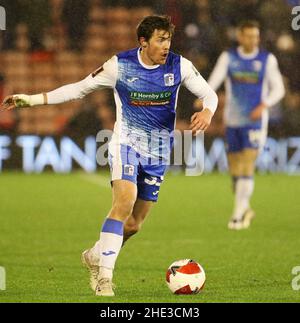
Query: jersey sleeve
196	84
275	83
219	72
104	77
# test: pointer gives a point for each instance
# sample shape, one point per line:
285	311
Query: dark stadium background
49	43
47	220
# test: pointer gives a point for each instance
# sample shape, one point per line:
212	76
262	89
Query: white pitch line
99	180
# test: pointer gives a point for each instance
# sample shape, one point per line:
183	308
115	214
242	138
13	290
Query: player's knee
124	197
249	159
249	168
123	207
235	164
249	171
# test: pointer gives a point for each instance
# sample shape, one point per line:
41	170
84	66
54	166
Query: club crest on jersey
129	170
257	65
169	79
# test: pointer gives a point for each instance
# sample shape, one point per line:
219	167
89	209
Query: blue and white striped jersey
251	79
145	97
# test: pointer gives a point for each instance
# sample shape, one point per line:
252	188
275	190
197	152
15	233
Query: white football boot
90	263
243	223
105	287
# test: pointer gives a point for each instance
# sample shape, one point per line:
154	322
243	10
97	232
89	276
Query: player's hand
201	120
15	101
7	104
257	112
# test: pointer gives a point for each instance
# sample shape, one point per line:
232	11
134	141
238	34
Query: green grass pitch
47	220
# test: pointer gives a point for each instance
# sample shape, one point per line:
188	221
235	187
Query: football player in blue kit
145	81
253	83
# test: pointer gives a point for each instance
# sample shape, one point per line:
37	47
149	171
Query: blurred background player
146	81
253	83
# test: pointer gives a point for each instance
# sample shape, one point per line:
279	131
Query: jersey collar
247	55
149	67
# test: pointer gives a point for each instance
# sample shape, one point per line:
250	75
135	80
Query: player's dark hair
248	24
148	25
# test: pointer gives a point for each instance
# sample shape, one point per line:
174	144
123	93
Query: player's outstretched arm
23	101
103	77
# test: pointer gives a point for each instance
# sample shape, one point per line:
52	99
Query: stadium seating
110	30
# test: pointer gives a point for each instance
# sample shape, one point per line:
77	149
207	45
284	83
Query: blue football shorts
240	138
125	163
